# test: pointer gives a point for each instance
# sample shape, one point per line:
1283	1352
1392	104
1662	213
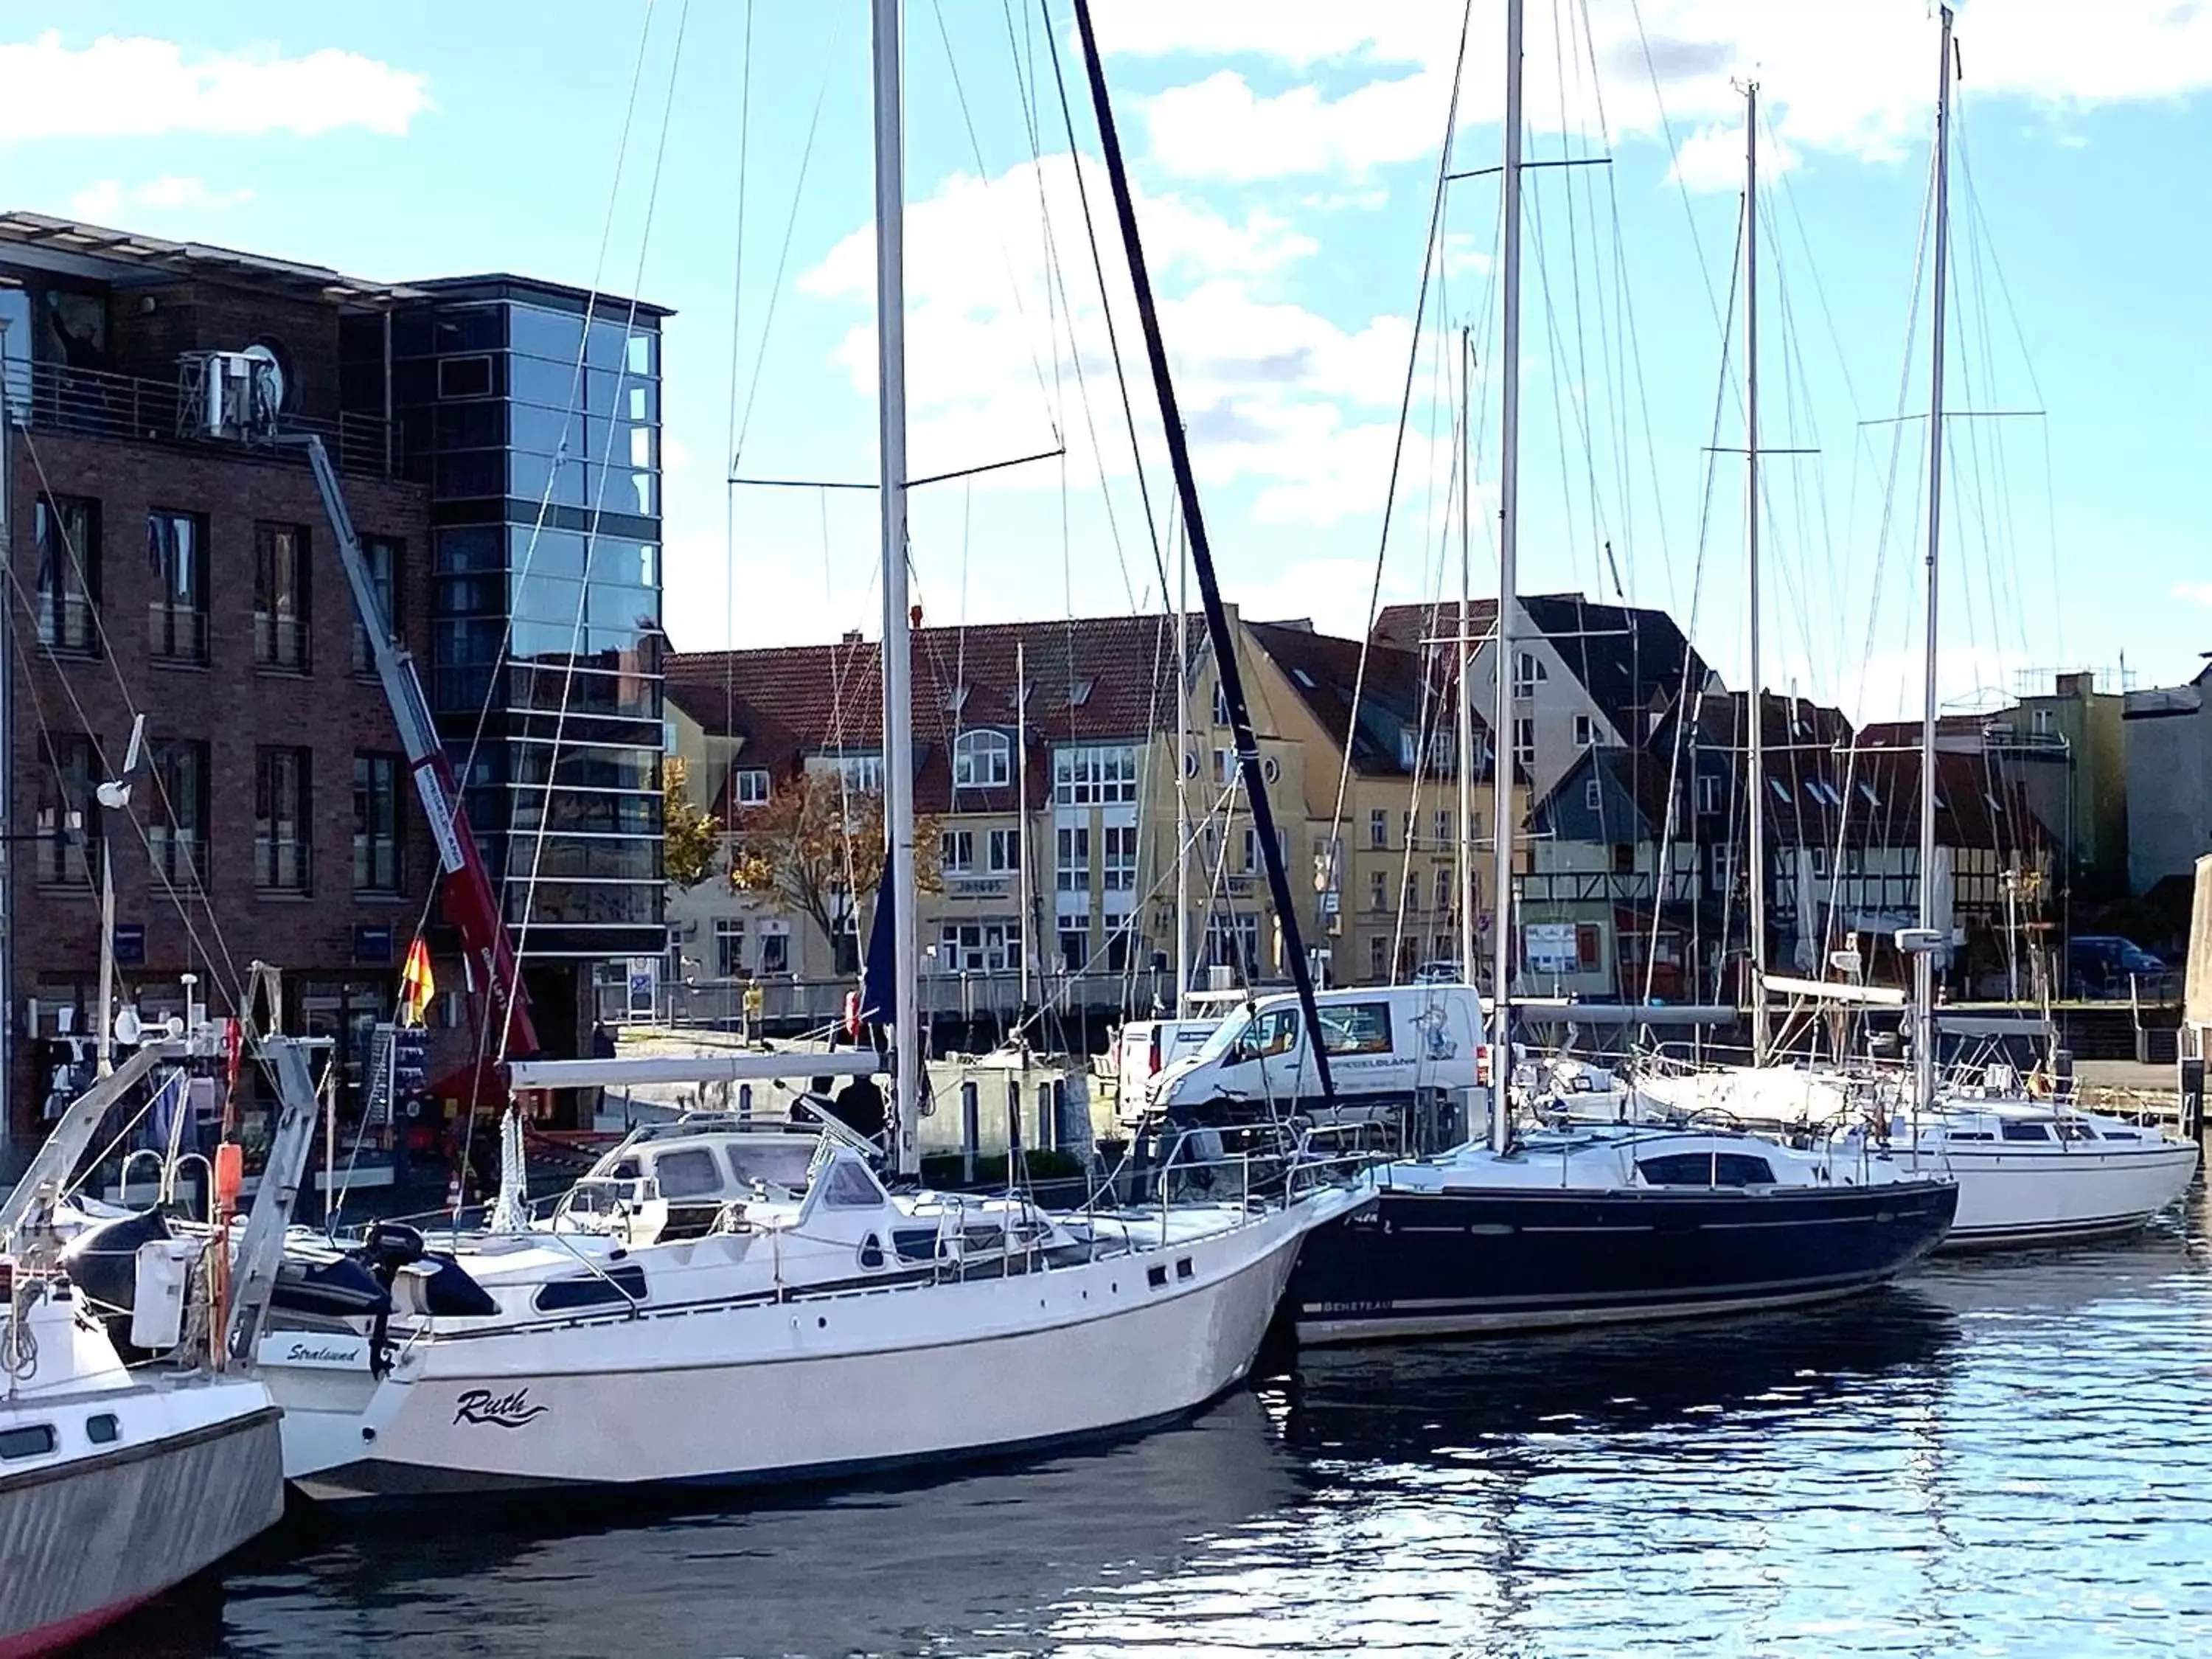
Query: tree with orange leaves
816	847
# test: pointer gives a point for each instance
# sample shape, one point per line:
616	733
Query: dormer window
982	759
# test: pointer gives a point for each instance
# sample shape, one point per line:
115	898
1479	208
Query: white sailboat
725	1302
2030	1170
118	1482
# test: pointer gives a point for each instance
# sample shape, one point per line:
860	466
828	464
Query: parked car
2107	965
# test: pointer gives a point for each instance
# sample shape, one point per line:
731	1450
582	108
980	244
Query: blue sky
1286	156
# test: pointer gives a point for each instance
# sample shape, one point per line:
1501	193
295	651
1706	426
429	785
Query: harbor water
2002	1456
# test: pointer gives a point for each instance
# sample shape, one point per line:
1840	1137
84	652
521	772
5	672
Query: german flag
416	984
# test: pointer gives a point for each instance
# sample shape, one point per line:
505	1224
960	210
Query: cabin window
2074	1129
1706	1170
1357	1028
2016	1131
848	1187
34	1440
690	1173
779	1166
103	1430
616	1286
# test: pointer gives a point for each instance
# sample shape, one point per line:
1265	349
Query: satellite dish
268	379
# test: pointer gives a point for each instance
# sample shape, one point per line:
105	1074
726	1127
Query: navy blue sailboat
1614	1221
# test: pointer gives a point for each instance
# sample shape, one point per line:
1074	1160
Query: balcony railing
177	633
281	865
280	641
91	403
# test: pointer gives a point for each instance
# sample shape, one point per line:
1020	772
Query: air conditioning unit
234	396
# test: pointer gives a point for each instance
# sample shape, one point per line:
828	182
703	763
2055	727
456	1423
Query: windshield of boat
776	1163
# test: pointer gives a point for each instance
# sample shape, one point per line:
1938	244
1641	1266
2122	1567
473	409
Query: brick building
192	579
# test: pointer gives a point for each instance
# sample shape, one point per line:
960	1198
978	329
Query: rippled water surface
2003	1456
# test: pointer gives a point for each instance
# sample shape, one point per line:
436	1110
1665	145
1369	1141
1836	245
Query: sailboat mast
1463	656
1021	814
1924	962
1223	638
1755	760
1508	535
1183	751
899	690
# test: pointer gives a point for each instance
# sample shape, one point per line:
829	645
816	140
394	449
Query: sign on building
1549	947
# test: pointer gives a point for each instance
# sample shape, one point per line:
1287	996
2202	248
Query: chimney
2083	685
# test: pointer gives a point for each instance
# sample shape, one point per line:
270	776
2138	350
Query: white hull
802	1388
193	1473
2029	1195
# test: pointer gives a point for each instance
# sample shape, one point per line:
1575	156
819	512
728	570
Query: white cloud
1847	77
138	87
1272	394
2195	593
101	201
1711	158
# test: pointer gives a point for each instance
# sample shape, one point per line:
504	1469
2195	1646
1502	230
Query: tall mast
1021	814
898	690
1755	762
1201	558
1183	751
1462	655
1924	962
1508	535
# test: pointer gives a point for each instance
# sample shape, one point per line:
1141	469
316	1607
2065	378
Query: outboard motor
439	1286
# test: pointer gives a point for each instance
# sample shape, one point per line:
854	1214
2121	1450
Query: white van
1146	1048
1387	1047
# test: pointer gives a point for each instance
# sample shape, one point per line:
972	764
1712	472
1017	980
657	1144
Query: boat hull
804	1389
2053	1194
88	1539
1424	1264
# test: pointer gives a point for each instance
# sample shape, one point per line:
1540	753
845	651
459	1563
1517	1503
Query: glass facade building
532	412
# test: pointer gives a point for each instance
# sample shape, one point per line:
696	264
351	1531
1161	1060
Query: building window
1074	858
752	785
1221	704
1593	794
1378	891
2044	723
729	947
383	555
280	596
1444	889
979	947
1411	899
1443	826
1524	742
69	825
1413	835
281	817
1708	794
775	951
1074	945
1527	675
955	851
863	775
1378	829
1378	956
67	530
177	616
982	759
1004	851
176	839
376	823
1094	777
1119	858
1585	732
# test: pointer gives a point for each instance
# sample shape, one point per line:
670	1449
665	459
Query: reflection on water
2006	1456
